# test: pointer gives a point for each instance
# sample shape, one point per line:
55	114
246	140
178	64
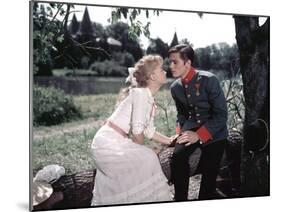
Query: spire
175	40
86	27
74	25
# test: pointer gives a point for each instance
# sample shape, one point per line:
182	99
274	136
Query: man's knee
180	155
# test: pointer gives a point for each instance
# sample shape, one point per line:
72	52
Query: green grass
68	144
70	150
165	119
96	106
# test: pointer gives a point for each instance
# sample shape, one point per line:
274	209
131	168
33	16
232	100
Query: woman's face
159	75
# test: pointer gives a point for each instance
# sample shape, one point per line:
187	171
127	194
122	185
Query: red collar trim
189	76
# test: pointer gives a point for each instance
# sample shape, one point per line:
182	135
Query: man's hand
188	137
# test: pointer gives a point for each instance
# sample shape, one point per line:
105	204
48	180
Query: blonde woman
128	171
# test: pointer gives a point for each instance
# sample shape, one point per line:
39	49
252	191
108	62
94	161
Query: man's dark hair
186	52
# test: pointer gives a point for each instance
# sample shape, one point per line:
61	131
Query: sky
201	32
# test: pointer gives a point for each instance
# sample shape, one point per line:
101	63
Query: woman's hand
188	137
158	137
173	140
173	137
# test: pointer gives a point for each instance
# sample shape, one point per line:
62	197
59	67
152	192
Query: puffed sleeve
142	119
139	110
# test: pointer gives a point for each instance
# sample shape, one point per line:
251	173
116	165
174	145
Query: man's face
178	67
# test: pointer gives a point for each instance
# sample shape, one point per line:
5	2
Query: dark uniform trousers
208	166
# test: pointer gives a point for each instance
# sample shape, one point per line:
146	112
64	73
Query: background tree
220	58
47	31
186	41
202	59
120	32
158	46
136	26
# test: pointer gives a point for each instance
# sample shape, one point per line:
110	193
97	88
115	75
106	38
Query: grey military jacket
201	104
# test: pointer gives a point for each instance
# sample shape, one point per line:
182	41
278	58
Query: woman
128	171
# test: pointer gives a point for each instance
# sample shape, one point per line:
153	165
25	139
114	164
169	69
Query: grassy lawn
68	144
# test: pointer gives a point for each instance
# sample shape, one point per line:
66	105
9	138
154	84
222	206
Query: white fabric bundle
50	173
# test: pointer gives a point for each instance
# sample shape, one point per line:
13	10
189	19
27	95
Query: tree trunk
253	45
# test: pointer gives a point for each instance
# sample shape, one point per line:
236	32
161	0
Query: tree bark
253	46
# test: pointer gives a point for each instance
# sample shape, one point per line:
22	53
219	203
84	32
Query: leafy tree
186	41
55	45
99	31
47	31
124	59
136	27
221	57
203	60
157	46
120	32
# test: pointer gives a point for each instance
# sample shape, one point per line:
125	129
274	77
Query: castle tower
175	40
86	27
74	26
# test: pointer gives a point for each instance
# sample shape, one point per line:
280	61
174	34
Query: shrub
52	106
109	68
124	58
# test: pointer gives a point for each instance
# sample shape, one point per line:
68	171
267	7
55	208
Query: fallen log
77	188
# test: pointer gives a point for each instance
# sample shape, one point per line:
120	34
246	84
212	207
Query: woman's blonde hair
143	69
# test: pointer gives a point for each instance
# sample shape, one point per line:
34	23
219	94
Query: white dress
128	172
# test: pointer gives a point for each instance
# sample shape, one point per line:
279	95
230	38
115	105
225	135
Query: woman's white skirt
126	172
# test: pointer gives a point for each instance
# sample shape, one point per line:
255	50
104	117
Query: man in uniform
201	122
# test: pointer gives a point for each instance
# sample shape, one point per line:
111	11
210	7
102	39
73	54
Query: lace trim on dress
154	189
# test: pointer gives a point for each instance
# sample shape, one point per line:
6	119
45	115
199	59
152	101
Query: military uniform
201	107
